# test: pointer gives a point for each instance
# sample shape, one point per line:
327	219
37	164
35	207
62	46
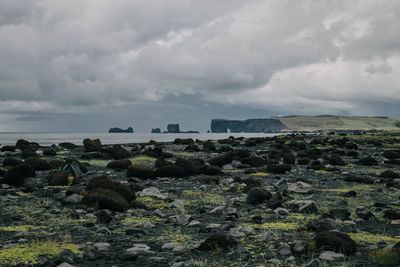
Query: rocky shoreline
289	200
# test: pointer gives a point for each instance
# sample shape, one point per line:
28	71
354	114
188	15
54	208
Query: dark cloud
74	62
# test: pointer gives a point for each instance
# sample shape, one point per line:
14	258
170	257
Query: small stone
331	256
102	246
152	192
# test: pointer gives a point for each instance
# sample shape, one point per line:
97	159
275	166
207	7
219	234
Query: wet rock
218	242
23	145
278	168
119	164
7	148
211	170
92	145
50	151
222	159
258	195
139	171
170	171
336	241
16	175
28	153
357	179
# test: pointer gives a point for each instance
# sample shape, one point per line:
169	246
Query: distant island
119	130
304	123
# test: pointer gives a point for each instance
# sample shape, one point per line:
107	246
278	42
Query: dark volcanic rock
49	152
289	158
28	153
247	126
68	145
211	170
122	164
257	195
106	199
55	164
191	166
254	161
208	145
389	174
92	145
342	214
16	175
336	241
142	172
170	171
23	144
12	162
391	154
337	160
222	159
118	152
192	148
74	168
119	130
103	182
368	161
278	168
353	178
7	148
37	164
218	242
392	214
180	141
58	179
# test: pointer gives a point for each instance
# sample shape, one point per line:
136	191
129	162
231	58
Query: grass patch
286	226
259	174
152	202
384	256
202	198
181	154
20	228
371	238
347	189
29	254
143	159
139	221
63	152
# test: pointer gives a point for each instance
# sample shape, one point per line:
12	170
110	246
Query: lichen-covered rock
119	164
143	172
92	145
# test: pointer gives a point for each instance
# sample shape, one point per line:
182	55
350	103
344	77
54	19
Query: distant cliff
119	130
247	126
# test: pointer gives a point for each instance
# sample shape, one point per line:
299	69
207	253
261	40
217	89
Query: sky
86	66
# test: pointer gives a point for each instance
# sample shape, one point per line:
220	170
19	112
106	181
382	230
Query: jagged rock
74	168
118	152
152	192
68	145
173	128
337	241
299	187
303	206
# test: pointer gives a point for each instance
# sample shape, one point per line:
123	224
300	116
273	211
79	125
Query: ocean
46	139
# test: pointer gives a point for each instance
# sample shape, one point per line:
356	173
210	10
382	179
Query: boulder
191	166
23	145
336	241
278	168
37	164
222	159
368	161
16	175
389	174
74	168
257	195
143	172
209	146
391	154
122	164
92	145
104	183
170	171
218	242
180	141
106	199
392	214
58	179
68	145
11	162
337	160
118	152
289	158
254	161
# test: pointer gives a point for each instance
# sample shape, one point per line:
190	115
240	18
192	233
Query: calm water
115	138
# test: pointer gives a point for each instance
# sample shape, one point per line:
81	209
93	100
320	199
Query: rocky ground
290	200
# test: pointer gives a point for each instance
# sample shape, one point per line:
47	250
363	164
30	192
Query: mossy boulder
104	183
106	199
278	168
170	171
92	145
37	164
336	160
221	160
11	162
58	179
118	152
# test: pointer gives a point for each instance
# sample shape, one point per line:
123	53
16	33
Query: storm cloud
90	65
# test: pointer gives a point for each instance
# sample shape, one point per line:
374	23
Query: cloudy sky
86	66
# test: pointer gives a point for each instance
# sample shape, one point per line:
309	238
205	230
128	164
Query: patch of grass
29	254
347	189
181	154
95	162
259	174
142	160
384	256
321	171
152	202
372	238
203	198
286	226
139	221
20	228
63	152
